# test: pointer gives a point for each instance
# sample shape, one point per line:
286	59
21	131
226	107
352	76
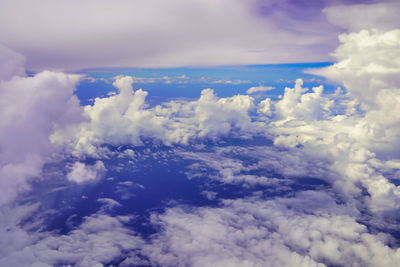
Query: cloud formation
79	34
81	172
258	89
348	138
32	108
307	230
125	119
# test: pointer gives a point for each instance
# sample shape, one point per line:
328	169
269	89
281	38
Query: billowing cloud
348	139
361	137
125	119
31	108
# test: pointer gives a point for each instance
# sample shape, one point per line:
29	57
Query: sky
70	35
199	133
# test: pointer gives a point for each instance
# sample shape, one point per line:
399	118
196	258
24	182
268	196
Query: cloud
11	63
347	139
231	82
81	172
382	16
299	106
80	34
100	240
307	230
124	118
351	142
32	108
258	89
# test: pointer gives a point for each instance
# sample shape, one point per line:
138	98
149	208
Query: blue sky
189	82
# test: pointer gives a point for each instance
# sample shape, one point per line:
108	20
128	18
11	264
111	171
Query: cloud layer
348	139
79	34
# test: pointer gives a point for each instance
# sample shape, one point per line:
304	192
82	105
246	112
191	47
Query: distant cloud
231	82
259	89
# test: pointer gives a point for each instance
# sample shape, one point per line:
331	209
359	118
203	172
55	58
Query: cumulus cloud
32	108
307	230
297	105
259	89
350	142
124	118
81	172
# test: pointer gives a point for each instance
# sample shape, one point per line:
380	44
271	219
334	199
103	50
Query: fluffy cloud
296	105
369	64
258	89
32	108
84	173
125	119
307	230
100	240
356	141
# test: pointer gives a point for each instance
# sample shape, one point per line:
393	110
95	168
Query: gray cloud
79	34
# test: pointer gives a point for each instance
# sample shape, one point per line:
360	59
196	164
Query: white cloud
307	230
98	241
369	63
31	108
351	142
125	119
231	82
297	105
258	89
81	172
264	107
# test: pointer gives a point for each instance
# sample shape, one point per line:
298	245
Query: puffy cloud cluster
348	139
369	64
358	141
307	230
99	241
125	119
296	105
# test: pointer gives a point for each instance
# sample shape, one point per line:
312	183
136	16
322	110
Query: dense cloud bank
79	34
348	139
